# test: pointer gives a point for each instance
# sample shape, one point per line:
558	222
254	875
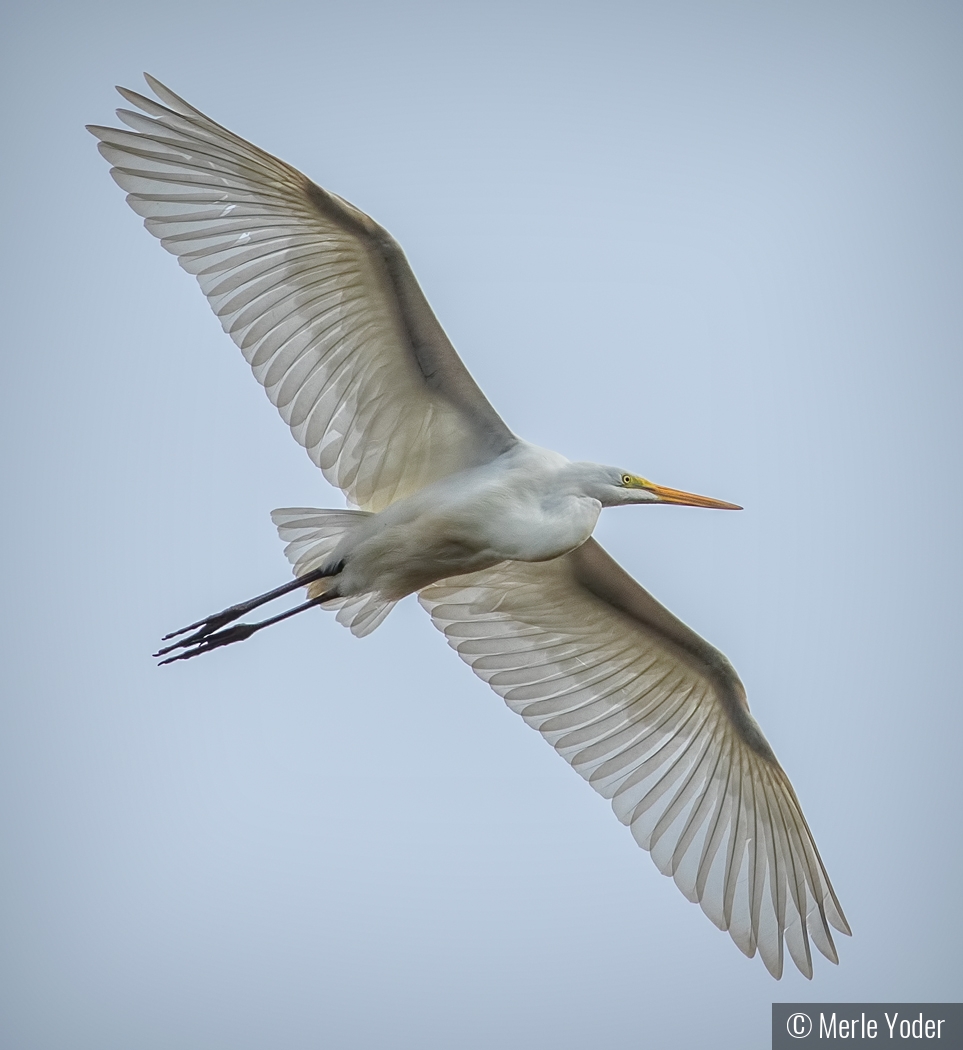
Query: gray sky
714	243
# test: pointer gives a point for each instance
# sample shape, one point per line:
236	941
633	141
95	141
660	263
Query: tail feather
362	613
310	536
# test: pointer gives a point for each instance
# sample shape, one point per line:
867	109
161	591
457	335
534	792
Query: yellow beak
688	499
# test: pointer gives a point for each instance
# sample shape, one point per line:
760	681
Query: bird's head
617	488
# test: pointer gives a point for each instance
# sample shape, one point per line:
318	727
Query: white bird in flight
493	534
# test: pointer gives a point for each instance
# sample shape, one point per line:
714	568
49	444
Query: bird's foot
205	641
208	625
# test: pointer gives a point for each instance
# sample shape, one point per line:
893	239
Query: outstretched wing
655	719
319	298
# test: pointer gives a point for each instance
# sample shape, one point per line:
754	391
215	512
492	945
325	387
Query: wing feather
656	720
318	297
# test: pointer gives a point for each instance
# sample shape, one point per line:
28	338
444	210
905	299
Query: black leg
213	623
197	644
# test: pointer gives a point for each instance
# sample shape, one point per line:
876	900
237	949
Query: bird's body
529	504
493	534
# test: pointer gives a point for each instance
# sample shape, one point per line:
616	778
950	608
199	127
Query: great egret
493	533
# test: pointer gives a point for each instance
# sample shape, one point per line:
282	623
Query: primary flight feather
491	532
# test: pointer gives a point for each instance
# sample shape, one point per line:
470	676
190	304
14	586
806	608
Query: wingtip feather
169	98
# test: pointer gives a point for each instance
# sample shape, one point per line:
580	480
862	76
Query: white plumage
494	534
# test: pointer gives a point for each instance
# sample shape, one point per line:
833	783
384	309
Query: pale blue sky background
716	243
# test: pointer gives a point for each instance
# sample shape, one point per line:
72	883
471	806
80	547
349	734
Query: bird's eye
626	479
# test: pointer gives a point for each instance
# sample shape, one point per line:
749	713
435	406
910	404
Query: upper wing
656	720
319	298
